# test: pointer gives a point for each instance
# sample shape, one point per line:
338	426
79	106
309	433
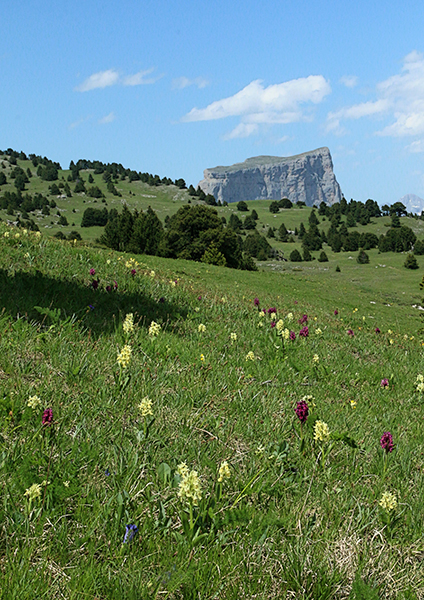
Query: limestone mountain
306	177
413	204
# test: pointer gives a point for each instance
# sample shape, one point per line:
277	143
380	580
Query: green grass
297	518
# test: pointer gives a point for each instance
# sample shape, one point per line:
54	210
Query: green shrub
362	258
410	262
295	256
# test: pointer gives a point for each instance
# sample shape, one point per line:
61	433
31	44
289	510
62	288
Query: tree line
192	233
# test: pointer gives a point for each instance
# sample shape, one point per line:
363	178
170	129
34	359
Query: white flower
145	407
34	491
34	402
190	488
124	357
279	325
321	431
128	324
224	472
154	329
388	501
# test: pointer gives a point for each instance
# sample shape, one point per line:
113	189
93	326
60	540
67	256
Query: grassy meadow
169	455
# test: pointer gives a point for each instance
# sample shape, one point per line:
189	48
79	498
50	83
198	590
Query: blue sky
173	88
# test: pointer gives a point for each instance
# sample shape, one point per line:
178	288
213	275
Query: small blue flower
130	531
91	306
107	472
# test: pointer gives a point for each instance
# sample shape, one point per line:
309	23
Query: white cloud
416	147
79	122
108	118
401	97
182	82
99	80
364	109
112	77
243	130
349	81
255	104
139	78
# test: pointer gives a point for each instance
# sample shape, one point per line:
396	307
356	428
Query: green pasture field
166	200
173	464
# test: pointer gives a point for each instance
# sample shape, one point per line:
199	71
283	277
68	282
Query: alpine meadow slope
181	429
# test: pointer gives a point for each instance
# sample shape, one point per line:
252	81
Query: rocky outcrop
413	204
307	177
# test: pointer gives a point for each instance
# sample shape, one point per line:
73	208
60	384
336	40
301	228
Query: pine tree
410	262
295	256
283	234
307	257
362	258
213	256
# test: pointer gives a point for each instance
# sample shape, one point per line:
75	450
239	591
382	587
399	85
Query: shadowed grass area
48	300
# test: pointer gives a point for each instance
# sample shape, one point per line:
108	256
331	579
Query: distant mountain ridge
413	204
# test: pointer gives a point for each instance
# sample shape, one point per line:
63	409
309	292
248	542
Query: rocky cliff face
307	177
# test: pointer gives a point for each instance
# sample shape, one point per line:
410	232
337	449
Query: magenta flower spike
47	417
302	411
386	442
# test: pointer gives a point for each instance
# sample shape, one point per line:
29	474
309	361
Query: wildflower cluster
302	411
124	357
189	488
145	407
128	324
34	402
321	431
132	265
130	531
420	383
47	419
34	491
223	472
154	329
388	501
386	442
